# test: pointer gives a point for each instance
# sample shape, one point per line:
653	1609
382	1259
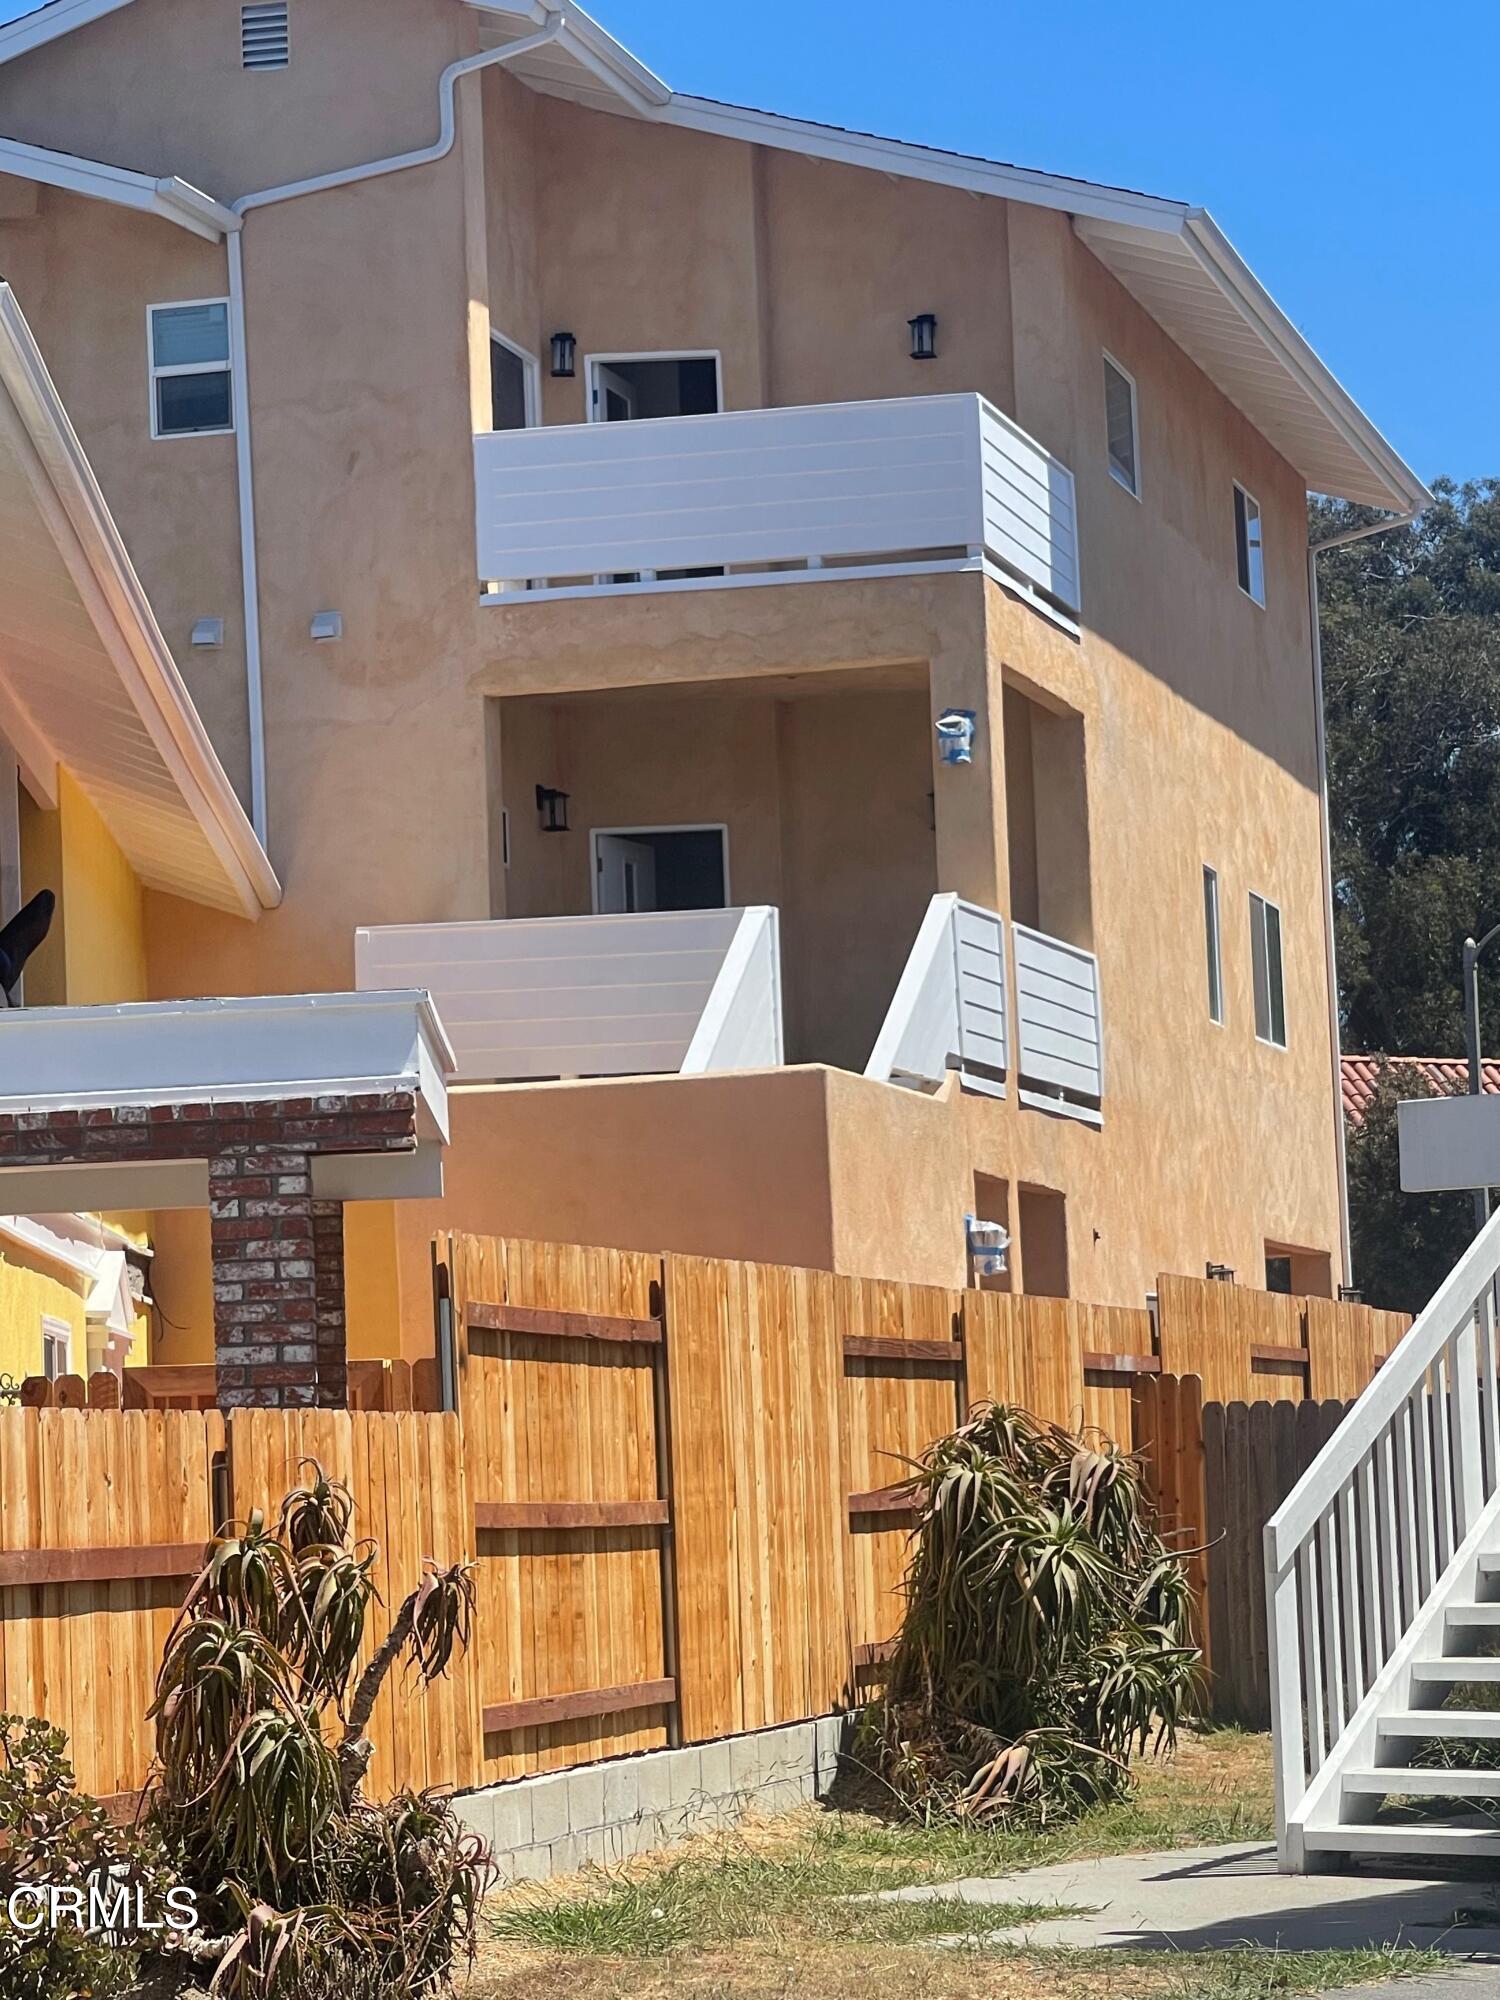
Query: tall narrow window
1248	550
57	1347
265	36
1211	945
1265	968
190	386
1120	427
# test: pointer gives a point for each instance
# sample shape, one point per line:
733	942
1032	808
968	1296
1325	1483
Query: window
1211	945
190	382
1265	967
1278	1273
513	385
1248	551
57	1347
1121	428
265	36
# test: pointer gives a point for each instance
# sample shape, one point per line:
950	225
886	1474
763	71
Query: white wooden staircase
1383	1594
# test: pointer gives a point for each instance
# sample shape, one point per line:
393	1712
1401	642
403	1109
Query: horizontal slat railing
949	1010
890	481
1059	1030
594	995
1363	1540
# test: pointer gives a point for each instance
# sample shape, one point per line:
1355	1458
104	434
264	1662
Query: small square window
1266	971
191	389
1121	427
1248	548
1212	947
57	1347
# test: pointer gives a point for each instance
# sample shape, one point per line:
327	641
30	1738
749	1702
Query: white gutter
172	199
239	357
1335	1031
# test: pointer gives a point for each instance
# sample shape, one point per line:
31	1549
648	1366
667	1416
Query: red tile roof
1448	1075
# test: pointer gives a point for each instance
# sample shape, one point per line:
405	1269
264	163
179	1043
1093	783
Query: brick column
278	1255
265	1285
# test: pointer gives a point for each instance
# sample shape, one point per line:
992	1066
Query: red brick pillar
278	1321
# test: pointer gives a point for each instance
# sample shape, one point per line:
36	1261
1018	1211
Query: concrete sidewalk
1220	1898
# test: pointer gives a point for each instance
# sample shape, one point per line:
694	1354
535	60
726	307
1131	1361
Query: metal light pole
1472	952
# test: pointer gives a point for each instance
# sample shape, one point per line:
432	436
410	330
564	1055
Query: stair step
1401	1782
1458	1722
1471	1615
1457	1667
1452	1842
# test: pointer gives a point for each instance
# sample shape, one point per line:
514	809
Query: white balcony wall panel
1058	1024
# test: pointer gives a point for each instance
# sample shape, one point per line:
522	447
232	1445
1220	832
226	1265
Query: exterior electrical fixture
923	337
955	735
208	632
327	625
988	1244
1221	1274
564	355
552	809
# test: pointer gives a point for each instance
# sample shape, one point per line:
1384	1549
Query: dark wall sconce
923	337
552	809
1221	1274
564	355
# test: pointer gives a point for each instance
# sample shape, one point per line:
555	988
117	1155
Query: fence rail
684	1484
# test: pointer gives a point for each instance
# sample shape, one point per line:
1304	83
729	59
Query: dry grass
763	1912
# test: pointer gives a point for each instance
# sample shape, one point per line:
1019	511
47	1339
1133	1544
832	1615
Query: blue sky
1347	153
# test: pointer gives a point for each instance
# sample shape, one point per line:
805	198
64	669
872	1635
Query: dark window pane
507	389
1278	1274
1241	540
1273	976
192	403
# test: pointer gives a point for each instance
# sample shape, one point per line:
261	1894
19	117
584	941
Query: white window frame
532	375
593	362
1213	944
224	367
718	826
1250	501
1135	427
1259	905
56	1333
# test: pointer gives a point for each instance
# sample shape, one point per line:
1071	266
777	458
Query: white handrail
1361	1549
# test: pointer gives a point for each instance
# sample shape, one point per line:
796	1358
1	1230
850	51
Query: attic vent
265	36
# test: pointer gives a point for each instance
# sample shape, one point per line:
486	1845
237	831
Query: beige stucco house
802	644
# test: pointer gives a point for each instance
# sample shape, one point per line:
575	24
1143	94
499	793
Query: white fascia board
592	46
34	31
1233	276
922	163
174	200
127	625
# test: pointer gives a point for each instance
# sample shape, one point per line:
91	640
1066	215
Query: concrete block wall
602	1814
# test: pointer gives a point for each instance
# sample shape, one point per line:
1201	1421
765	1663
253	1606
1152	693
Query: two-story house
803	643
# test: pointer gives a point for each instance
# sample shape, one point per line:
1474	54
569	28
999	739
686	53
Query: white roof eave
173	200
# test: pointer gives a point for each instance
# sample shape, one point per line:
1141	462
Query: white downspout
1335	1032
239	359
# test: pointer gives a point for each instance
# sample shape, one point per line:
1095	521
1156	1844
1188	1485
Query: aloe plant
306	1886
1047	1632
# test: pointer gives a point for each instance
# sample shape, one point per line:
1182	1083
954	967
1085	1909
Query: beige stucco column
969	799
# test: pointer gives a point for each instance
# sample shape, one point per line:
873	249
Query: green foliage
1404	1244
1047	1630
311	1888
1411	666
50	1833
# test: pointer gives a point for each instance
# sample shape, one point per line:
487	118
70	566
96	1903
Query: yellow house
802	644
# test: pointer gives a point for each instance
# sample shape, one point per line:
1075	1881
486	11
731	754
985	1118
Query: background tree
1411	667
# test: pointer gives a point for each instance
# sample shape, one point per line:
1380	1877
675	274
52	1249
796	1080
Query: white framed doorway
622	388
515	385
641	868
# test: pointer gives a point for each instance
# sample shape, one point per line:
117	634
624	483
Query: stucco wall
30	1289
1194	705
792	775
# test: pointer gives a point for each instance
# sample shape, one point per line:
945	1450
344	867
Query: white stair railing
741	1024
949	1010
1357	1552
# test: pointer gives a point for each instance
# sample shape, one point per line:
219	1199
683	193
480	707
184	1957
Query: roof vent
265	36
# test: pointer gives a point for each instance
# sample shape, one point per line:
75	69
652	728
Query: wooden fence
681	1482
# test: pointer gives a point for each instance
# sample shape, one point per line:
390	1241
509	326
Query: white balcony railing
681	990
951	1011
882	484
1059	1033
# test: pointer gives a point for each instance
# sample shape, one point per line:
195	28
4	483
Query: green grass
772	1911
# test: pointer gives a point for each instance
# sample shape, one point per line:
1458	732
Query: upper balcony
910	485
